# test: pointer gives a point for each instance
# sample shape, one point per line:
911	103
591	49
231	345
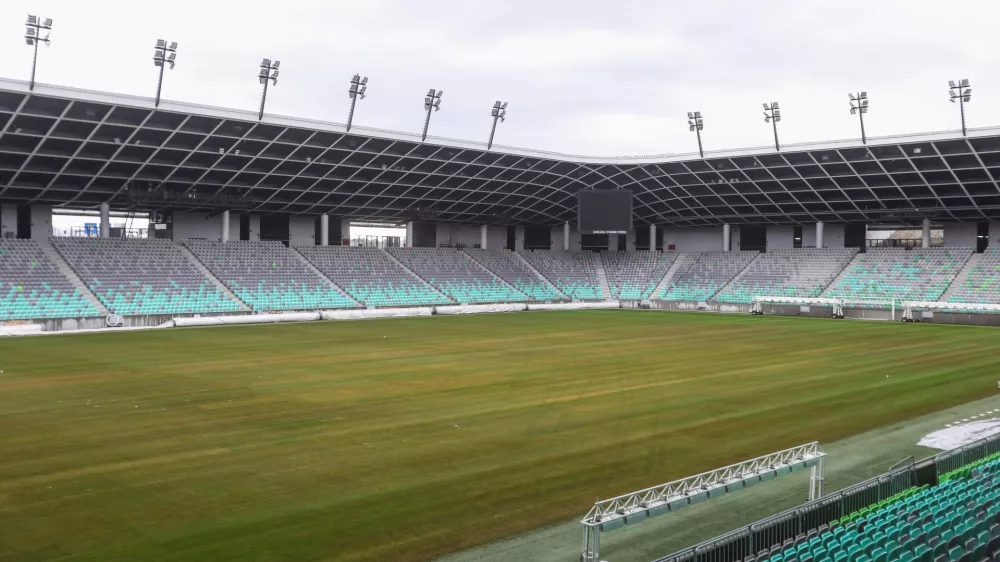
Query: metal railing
961	456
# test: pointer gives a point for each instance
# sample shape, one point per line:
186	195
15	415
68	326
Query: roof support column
566	237
819	235
409	234
324	230
652	238
725	238
225	226
925	238
105	220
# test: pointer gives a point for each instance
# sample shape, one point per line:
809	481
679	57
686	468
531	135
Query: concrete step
602	278
211	277
668	277
541	277
414	274
739	275
53	254
484	268
326	279
959	279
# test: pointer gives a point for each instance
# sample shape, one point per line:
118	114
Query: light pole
499	111
268	73
772	114
33	36
696	124
357	91
963	93
432	101
163	55
861	108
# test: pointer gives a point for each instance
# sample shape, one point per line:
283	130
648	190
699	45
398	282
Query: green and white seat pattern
31	286
804	272
982	283
267	276
920	274
133	277
704	274
573	273
371	277
457	275
635	275
507	266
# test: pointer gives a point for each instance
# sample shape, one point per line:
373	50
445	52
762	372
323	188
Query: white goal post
836	303
974	308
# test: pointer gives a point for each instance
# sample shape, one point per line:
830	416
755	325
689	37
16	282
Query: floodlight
766	107
276	64
951	83
965	82
853	110
697	115
161	44
32	20
864	103
774	105
967	99
777	112
32	37
430	93
690	115
691	127
863	95
265	62
852	97
364	80
504	106
48	23
967	92
274	76
496	105
766	118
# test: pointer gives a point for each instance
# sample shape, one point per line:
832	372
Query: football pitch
408	439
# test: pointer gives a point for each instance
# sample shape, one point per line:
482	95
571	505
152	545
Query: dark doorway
594	242
537	238
511	238
982	237
642	238
753	238
797	236
274	227
244	227
854	236
24	221
622	242
318	231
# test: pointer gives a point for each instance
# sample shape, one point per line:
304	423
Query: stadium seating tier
31	286
804	272
573	273
921	274
457	275
506	265
704	274
634	275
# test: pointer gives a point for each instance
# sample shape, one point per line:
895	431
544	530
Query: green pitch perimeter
406	439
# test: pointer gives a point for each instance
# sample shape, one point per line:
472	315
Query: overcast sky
592	77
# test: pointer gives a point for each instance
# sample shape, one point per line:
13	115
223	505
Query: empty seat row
506	265
31	286
573	273
920	274
635	275
702	275
804	272
982	282
457	275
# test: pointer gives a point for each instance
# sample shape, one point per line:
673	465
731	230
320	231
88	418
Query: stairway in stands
68	272
602	278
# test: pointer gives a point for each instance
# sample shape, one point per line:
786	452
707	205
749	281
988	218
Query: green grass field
407	439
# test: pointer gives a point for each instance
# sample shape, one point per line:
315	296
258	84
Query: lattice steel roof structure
73	148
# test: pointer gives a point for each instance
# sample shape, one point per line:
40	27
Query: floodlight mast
33	36
268	73
357	91
696	124
963	93
499	112
772	114
432	102
165	53
861	98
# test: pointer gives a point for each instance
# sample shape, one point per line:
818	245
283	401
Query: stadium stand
456	275
573	273
267	275
921	274
802	272
371	277
634	275
31	286
142	276
705	274
981	282
506	265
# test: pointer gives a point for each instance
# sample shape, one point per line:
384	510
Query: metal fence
961	456
775	530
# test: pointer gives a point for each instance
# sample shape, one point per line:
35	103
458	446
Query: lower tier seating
702	275
456	275
982	283
267	276
634	275
144	276
371	277
31	286
920	274
573	273
506	265
802	272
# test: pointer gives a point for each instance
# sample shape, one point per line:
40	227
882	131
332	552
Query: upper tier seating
573	273
634	275
456	275
370	276
507	266
921	274
956	521
142	276
802	272
982	283
31	286
704	274
267	275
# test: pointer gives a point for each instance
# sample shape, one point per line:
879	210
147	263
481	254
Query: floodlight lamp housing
766	107
697	115
851	96
951	83
767	119
691	127
32	20
48	25
173	46
864	95
161	44
774	105
965	82
265	63
356	79
777	119
364	80
967	99
430	93
504	106
853	110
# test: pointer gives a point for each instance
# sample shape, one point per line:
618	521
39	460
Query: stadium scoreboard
604	211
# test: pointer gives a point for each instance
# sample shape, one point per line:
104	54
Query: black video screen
604	211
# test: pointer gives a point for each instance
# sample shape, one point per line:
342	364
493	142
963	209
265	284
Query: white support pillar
483	230
725	238
105	220
566	237
409	234
324	230
925	239
819	235
225	227
652	238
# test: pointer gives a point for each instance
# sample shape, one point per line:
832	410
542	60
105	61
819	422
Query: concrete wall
301	231
961	234
8	219
200	225
519	238
557	238
734	237
707	239
995	234
833	235
468	235
41	222
781	237
496	237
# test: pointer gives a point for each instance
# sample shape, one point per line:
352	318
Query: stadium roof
76	148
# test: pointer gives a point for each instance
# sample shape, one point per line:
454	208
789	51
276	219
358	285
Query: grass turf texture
410	438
